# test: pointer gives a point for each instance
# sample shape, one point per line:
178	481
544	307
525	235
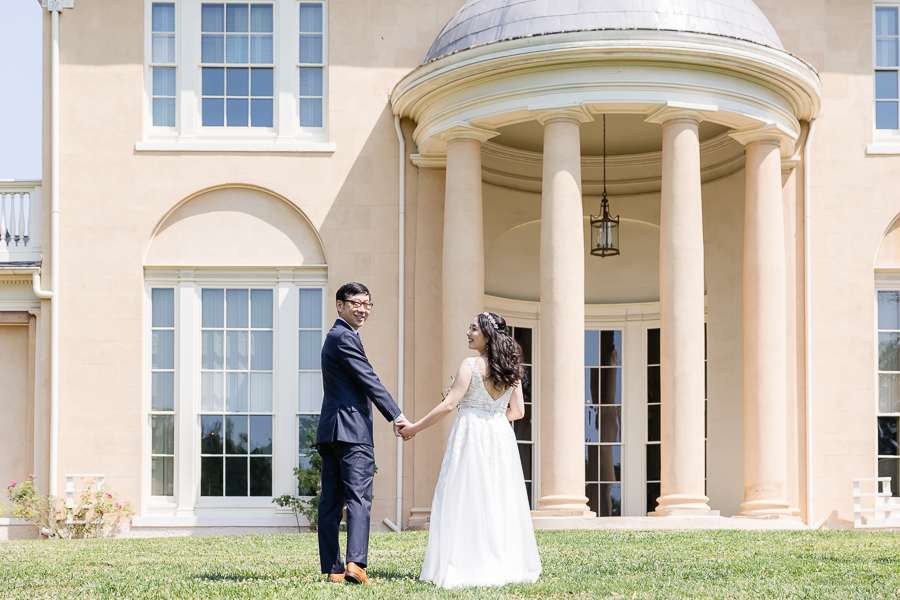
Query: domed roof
483	21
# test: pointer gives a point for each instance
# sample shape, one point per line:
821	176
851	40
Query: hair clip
491	319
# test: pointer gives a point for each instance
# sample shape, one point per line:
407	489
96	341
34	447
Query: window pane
653	346
310	309
311	17
261	309
211	476
213	307
592	386
610	458
890	467
163	301
309	394
162	429
610	386
591	463
887	436
210	434
236	392
526	384
212	48
310	350
611	348
886	85
653	391
311	81
213	85
307	426
261	82
888	393
260	476
886	52
164	112
237	350
611	424
889	351
652	494
213	17
236	476
237	49
522	427
526	458
310	112
163	81
163	16
261	350
236	435
162	476
888	313
311	48
260	435
212	350
592	491
886	21
653	423
237	302
163	349
261	18
163	391
261	112
236	109
886	115
591	348
260	392
237	82
610	500
212	397
237	18
261	50
163	47
591	424
213	112
523	336
654	467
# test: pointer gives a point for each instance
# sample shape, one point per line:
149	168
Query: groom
344	437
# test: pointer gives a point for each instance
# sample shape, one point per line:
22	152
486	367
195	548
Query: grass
577	564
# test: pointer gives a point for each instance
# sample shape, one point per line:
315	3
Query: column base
767	508
563	506
682	505
419	517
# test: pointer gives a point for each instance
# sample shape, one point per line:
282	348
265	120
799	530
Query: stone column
765	351
562	491
681	315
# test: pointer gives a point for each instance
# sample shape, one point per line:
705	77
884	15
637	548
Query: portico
751	94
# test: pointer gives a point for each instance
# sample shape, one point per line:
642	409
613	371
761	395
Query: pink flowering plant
27	504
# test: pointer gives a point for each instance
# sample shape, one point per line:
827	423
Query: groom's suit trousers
347	473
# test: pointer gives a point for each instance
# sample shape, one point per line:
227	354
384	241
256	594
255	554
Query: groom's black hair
351	289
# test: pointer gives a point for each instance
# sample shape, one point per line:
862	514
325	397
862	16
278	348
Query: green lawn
577	564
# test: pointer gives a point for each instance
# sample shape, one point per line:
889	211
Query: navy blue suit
344	440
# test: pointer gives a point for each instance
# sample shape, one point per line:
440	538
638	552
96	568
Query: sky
20	89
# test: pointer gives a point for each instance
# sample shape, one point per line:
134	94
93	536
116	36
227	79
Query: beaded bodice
477	396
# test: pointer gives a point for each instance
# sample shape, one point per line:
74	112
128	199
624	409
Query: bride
480	533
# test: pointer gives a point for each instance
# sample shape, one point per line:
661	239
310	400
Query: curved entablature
738	84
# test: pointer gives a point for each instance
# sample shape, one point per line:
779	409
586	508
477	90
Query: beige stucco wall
14	405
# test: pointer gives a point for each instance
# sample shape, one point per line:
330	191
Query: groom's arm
358	367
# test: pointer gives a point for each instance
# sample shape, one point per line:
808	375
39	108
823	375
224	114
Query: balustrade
20	222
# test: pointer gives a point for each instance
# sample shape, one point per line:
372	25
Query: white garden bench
886	510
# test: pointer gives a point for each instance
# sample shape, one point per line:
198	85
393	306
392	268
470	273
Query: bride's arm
516	408
457	390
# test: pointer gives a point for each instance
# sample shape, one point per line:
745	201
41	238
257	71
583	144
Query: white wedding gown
480	533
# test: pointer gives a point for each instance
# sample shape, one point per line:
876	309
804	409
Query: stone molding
467	131
429	161
772	133
575	112
676	111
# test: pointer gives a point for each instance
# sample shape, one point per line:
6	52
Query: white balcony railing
20	221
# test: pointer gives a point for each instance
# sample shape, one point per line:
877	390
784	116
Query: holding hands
400	428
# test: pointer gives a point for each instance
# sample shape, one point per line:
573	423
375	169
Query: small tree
309	486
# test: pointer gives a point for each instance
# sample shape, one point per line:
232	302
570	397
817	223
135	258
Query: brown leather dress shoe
357	574
336	577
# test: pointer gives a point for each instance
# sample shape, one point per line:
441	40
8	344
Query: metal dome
481	22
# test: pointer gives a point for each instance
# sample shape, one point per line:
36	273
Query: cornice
467	131
430	161
674	111
574	112
770	132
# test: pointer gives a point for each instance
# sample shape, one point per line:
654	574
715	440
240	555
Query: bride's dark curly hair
504	355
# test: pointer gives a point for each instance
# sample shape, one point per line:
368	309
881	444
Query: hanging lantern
604	228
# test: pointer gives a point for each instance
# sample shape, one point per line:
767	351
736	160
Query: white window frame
884	141
187	502
885	281
189	135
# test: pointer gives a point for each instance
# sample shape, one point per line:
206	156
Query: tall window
311	68
524	427
889	387
235	34
236	392
162	64
653	419
162	395
886	67
309	377
603	421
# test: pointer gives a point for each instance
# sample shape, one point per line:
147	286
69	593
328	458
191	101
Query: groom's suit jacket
350	387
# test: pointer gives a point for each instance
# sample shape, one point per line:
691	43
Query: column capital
467	131
788	164
429	160
771	133
57	5
574	112
671	111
